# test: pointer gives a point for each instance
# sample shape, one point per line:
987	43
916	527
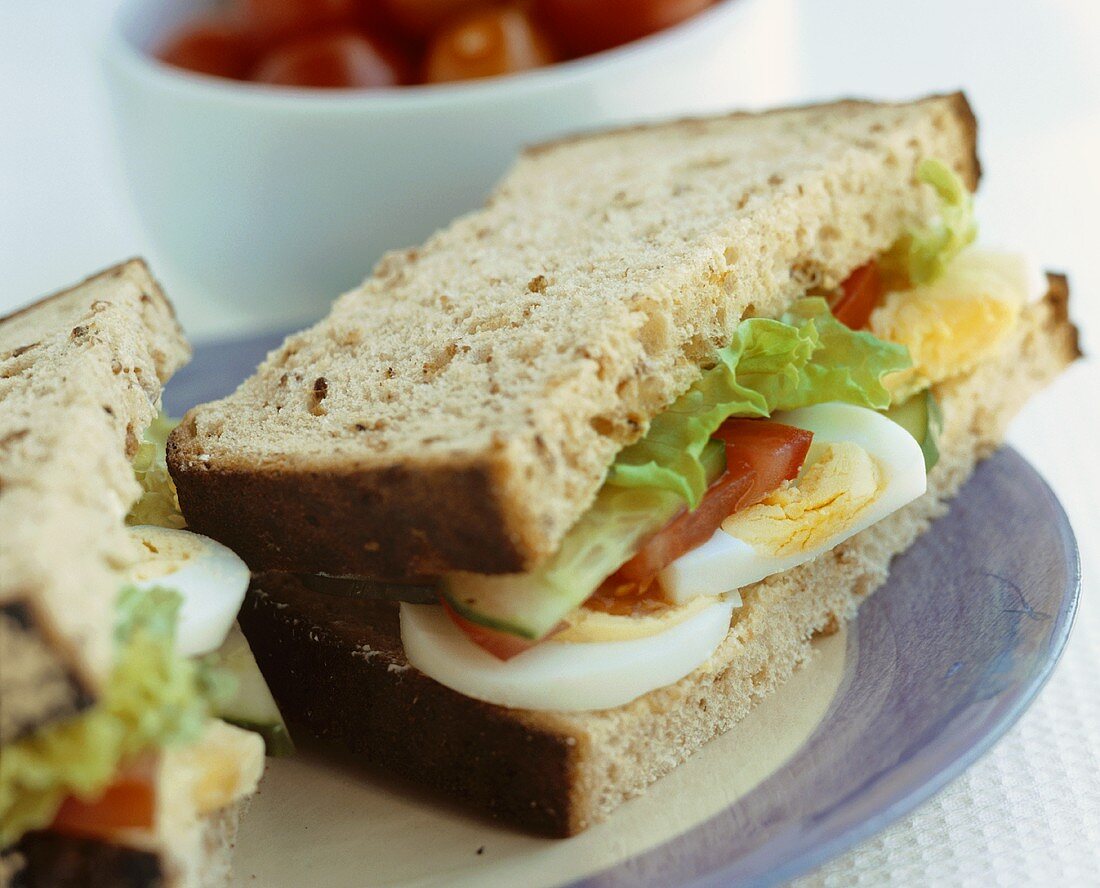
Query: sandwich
554	499
118	648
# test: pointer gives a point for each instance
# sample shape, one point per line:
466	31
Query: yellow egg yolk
955	322
828	496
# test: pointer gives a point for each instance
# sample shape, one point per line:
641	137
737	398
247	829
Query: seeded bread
80	378
336	665
459	409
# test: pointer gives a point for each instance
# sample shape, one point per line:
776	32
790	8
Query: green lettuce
153	698
806	357
158	504
923	254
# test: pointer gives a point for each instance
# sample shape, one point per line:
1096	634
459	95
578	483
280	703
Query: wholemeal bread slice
80	378
337	667
460	409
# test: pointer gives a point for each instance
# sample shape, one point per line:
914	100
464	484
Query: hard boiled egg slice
209	577
726	562
559	675
958	320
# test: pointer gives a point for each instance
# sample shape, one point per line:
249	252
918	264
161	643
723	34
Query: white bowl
263	203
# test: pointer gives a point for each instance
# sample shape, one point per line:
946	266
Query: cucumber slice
252	707
921	417
531	604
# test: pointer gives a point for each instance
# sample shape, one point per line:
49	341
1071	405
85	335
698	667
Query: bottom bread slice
201	859
337	668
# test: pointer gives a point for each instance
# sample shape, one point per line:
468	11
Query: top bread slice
459	410
80	379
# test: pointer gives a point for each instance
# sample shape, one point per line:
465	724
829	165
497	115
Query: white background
1029	813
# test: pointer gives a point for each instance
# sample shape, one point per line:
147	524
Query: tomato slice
128	803
487	43
774	451
859	294
690	529
760	455
501	645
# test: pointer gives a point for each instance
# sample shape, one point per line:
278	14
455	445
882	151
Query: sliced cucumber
252	707
606	536
921	417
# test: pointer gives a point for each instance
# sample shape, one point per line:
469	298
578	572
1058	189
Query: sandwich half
551	501
113	768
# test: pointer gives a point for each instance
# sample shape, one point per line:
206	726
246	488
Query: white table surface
1029	812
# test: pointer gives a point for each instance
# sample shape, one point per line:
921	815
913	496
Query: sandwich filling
803	431
151	756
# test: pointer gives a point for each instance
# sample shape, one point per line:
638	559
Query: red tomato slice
860	293
760	455
128	803
339	59
218	48
501	645
585	27
487	43
689	529
774	451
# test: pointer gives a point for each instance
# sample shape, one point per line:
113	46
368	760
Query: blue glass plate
950	652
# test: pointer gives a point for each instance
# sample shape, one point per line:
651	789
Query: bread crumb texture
531	340
80	378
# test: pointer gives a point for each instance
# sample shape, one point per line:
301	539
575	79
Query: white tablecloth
1029	812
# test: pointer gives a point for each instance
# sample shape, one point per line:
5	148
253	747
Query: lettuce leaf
153	698
923	253
158	504
806	357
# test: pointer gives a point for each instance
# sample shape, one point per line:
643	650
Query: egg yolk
828	496
954	323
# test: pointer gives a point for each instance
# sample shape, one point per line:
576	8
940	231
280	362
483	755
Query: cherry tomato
342	59
587	26
221	49
128	803
502	645
485	44
859	294
274	19
419	18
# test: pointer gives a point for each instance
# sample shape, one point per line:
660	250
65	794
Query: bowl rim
121	53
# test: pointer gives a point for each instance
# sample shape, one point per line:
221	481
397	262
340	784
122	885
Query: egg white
725	563
558	675
210	578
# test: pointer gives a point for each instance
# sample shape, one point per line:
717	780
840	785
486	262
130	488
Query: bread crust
337	668
398	531
961	110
